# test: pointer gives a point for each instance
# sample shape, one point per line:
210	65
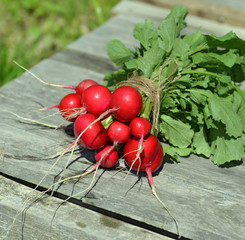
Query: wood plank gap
96	209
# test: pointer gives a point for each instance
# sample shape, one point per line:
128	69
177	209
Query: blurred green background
31	30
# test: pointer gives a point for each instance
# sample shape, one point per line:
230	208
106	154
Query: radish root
46	83
149	174
32	121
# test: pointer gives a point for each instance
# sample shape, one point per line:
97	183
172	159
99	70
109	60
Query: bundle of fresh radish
180	90
193	83
107	121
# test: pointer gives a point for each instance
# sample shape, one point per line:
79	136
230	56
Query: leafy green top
202	105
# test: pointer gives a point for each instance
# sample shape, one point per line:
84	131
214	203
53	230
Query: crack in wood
97	209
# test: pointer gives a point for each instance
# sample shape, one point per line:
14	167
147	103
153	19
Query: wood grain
48	219
207	201
146	10
221	13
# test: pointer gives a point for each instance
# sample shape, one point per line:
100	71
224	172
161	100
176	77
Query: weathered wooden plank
208	10
96	41
238	4
88	61
144	10
47	219
198	193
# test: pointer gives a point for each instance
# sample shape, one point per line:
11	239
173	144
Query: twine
153	89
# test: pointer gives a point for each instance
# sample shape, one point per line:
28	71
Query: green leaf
118	53
131	64
112	78
228	59
203	83
228	41
176	132
183	152
183	83
200	143
179	14
195	112
224	85
226	148
150	60
170	28
198	98
222	110
146	33
180	48
196	42
241	113
167	101
237	101
169	153
238	72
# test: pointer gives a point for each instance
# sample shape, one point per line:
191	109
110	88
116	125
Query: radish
148	160
128	100
140	127
95	136
84	84
140	159
106	157
70	107
96	99
118	132
81	87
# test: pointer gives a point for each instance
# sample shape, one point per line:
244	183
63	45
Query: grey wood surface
207	201
70	222
239	4
144	10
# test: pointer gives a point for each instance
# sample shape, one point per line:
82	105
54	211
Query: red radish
157	161
156	164
140	127
70	107
96	99
140	159
118	132
81	87
147	163
95	136
84	84
128	100
106	157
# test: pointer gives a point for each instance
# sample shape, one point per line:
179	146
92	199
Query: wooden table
207	201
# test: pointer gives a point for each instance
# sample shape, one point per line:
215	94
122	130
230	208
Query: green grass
32	30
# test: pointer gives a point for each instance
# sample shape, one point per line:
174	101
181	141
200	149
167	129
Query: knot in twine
152	89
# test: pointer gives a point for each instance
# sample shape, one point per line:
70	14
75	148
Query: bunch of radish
106	122
91	106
